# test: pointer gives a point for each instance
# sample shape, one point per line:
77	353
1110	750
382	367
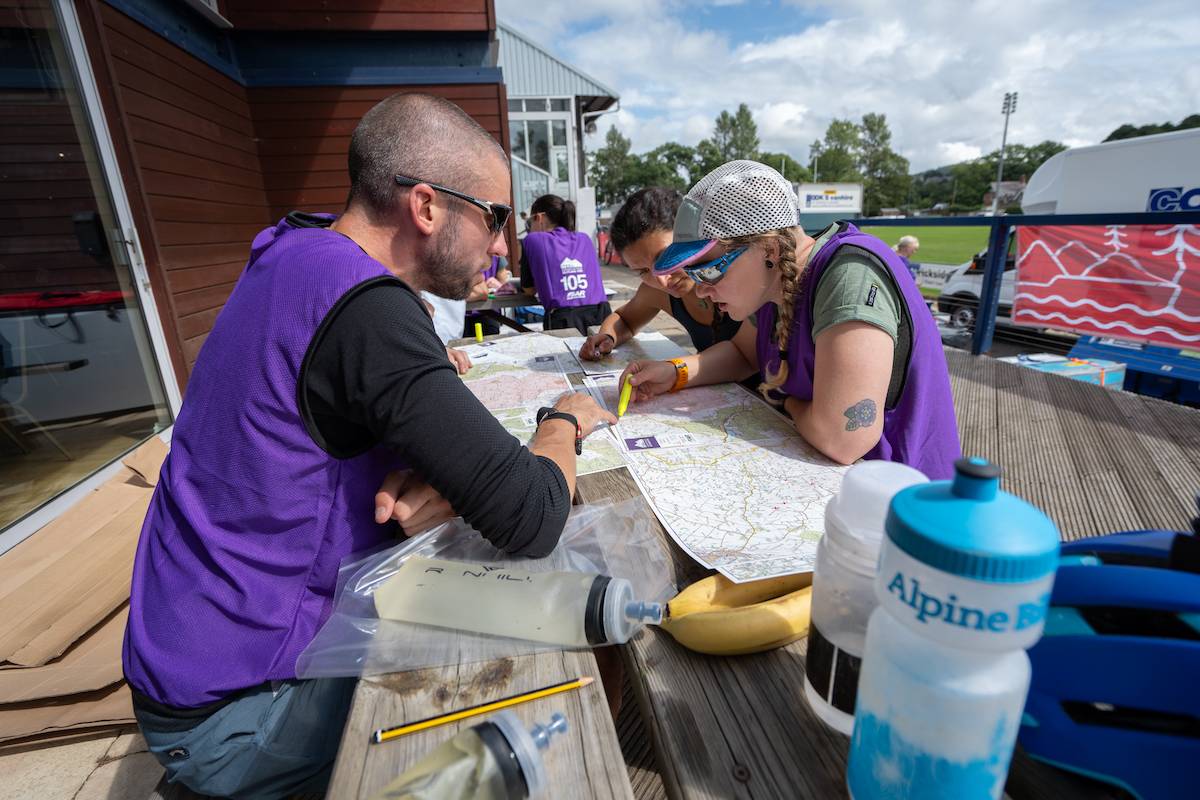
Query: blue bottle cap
968	527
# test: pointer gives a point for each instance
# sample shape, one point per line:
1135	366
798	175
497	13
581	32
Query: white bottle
843	594
568	608
964	582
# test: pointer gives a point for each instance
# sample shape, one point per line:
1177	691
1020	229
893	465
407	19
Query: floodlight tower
1010	106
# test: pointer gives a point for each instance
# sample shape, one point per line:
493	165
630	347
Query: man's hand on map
649	378
585	409
596	347
460	360
412	502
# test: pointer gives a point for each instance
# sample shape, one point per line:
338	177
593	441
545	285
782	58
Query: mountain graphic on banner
1098	281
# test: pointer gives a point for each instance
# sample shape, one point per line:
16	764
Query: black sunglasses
496	214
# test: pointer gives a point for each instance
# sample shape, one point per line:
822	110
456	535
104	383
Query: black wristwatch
548	412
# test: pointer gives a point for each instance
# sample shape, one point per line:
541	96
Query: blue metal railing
997	250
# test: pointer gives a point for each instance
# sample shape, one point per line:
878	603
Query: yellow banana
730	631
717	592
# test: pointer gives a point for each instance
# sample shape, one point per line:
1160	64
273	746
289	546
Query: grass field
942	245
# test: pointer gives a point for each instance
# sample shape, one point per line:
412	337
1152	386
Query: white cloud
937	69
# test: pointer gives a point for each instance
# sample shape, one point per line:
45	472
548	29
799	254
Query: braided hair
790	273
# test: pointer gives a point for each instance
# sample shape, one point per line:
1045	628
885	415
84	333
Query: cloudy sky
938	69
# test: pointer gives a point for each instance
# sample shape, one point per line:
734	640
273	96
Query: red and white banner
1138	282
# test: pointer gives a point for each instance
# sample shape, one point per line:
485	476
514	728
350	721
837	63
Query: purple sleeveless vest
238	557
921	430
565	270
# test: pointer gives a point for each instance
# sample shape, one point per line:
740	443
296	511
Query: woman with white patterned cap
835	324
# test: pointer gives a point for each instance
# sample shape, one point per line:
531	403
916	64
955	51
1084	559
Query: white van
964	286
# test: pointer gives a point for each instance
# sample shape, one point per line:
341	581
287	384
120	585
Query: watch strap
553	413
681	374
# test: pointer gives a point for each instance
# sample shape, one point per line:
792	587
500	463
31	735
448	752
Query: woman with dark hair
835	325
559	265
640	232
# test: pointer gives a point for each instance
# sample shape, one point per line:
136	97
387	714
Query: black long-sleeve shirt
377	373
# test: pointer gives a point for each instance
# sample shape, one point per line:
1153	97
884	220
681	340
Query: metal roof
531	70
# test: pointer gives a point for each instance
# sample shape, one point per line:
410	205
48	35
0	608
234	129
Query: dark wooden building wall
361	15
194	142
213	162
304	136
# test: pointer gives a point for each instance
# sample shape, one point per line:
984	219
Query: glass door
80	383
540	140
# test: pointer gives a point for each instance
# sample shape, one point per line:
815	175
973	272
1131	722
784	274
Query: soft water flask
965	573
568	608
843	594
494	760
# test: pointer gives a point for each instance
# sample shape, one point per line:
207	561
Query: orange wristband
681	374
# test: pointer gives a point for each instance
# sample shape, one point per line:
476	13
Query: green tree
835	159
789	167
682	161
660	167
609	168
708	158
885	173
734	137
1131	131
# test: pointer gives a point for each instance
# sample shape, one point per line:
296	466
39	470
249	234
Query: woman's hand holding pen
649	378
597	346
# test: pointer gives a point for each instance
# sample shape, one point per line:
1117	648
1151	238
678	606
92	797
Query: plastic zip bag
616	540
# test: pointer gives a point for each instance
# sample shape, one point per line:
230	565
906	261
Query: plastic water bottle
964	582
569	608
843	594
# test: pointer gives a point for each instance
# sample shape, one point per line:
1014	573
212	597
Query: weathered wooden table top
1096	460
586	764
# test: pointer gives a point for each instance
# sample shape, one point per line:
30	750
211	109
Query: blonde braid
790	274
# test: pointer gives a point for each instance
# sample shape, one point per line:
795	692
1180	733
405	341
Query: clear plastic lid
623	614
855	516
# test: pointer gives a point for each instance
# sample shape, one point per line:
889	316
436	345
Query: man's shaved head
418	135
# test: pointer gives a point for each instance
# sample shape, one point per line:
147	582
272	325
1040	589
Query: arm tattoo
861	415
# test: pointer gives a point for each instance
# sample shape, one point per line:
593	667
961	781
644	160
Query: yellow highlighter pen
479	331
626	392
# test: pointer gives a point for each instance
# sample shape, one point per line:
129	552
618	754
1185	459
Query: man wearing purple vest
836	325
322	382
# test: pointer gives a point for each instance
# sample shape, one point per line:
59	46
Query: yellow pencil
626	393
484	708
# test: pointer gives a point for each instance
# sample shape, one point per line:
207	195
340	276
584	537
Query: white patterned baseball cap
735	199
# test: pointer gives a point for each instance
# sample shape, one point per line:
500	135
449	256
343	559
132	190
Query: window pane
559	127
514	105
539	144
516	139
560	105
564	174
79	385
536	105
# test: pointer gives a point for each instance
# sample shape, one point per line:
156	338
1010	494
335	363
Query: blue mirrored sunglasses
495	215
713	271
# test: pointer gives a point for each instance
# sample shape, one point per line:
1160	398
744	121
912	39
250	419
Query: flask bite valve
643	611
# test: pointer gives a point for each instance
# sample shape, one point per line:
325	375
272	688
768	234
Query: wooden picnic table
492	307
586	764
1096	460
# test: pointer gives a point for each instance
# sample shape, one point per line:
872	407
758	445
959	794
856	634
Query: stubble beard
446	273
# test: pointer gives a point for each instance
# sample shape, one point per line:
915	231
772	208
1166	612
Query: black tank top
700	332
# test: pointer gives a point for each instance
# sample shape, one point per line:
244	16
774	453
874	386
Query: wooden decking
1096	460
